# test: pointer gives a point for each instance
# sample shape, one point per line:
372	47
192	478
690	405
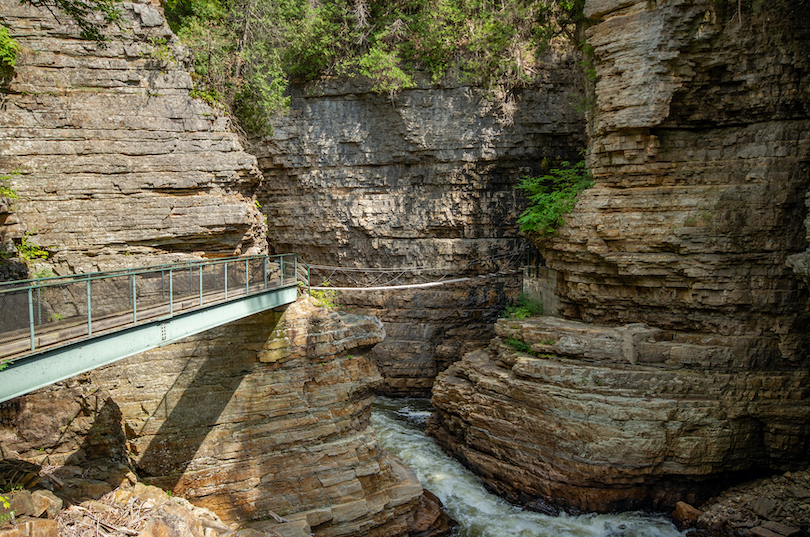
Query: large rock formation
119	166
689	241
355	179
267	415
601	418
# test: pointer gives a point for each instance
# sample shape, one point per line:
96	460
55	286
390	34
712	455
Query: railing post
171	292
226	280
281	266
295	269
31	316
309	281
265	272
134	299
201	267
247	278
89	311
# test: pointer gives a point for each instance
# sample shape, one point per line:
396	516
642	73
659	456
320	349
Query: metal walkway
54	328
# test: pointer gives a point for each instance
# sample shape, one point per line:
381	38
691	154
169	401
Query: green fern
552	196
8	49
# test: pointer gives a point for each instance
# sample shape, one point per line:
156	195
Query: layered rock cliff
426	180
683	267
120	167
117	165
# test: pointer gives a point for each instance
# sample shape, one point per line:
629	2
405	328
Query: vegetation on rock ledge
246	51
552	196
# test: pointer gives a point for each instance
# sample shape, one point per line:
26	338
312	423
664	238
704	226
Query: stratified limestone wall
602	418
428	179
701	136
119	167
269	414
114	157
684	263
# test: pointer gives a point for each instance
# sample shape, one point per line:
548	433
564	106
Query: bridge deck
66	344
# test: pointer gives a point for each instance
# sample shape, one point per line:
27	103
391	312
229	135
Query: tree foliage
92	16
247	51
552	196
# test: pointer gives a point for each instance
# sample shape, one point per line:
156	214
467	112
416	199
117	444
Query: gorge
676	363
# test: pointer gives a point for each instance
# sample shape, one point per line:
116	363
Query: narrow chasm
385	269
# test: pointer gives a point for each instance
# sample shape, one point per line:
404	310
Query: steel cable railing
49	312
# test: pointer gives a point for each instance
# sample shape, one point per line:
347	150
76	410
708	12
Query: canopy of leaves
552	196
246	51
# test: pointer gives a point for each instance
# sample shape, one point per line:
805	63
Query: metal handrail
116	311
69	278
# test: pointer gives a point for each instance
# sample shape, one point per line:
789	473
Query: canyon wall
683	268
114	164
424	180
119	167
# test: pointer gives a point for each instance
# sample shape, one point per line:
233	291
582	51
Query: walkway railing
43	314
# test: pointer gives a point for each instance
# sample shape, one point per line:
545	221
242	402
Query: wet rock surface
767	507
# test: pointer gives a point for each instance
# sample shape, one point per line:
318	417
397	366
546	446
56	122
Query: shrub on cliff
552	196
8	48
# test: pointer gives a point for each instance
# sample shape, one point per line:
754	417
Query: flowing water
400	425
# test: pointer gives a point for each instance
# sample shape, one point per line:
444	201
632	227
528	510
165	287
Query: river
400	425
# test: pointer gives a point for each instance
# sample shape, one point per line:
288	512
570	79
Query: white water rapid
400	425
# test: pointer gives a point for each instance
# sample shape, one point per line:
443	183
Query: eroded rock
571	420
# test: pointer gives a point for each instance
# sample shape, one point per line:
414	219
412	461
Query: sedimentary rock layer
602	418
700	139
120	167
269	414
689	253
113	156
426	180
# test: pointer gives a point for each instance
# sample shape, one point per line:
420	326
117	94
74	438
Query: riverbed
400	425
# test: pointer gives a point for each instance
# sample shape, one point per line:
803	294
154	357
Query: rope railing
49	312
391	278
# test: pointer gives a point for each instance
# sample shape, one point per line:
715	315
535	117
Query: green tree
8	49
84	13
247	51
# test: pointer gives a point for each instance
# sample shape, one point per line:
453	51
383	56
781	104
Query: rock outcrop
117	165
120	167
427	180
700	137
602	418
267	415
683	360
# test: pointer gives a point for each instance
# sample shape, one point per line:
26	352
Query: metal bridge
54	328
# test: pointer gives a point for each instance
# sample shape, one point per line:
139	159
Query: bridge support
40	370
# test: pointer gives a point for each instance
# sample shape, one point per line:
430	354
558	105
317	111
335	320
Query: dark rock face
685	265
353	179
